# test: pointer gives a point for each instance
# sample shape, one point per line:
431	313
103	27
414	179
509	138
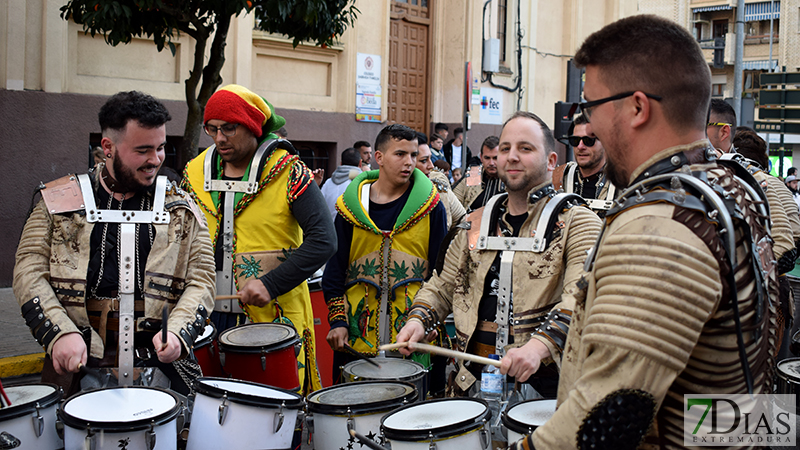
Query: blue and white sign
491	106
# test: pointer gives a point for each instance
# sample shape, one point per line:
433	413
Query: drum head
255	337
368	396
24	399
529	415
443	418
790	369
120	408
391	369
247	393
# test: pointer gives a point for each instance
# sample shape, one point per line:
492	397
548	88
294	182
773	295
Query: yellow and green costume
392	261
265	234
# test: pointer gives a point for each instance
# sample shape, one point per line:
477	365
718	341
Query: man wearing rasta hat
390	224
267	219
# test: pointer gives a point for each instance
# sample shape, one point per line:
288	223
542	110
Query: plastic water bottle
492	387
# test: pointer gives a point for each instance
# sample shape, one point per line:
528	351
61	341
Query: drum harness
128	260
226	282
668	181
508	246
595	204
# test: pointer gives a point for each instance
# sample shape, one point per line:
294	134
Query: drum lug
223	409
351	423
90	442
298	348
310	425
278	421
432	445
486	435
38	422
222	358
150	438
60	429
263	361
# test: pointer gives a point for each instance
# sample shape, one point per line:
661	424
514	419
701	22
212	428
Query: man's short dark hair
490	143
750	145
360	144
724	112
397	132
440	126
791	171
435	136
458	131
421	138
549	140
656	56
580	119
122	107
351	157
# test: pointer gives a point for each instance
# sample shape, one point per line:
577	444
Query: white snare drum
788	381
450	423
30	422
392	369
523	418
239	414
133	417
363	404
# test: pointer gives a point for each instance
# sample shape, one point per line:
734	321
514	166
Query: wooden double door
407	96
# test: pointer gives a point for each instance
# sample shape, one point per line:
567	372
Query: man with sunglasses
586	175
671	298
269	223
721	127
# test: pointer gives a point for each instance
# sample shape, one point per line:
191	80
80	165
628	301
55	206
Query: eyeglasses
576	140
586	107
718	124
229	129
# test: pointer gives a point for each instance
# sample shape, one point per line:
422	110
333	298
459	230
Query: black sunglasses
574	141
586	107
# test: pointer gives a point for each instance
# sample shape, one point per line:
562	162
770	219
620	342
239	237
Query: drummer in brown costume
68	278
531	243
674	267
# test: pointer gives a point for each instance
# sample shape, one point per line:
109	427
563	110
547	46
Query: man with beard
480	182
70	280
658	316
586	176
510	294
270	225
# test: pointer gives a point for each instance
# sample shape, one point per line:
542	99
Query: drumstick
366	441
228	297
361	356
443	352
3	392
164	320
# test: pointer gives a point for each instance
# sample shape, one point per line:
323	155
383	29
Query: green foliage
320	21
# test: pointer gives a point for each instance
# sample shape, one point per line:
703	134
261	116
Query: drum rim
516	425
207	340
114	426
14	411
360	408
785	376
246	399
359	362
441	432
280	345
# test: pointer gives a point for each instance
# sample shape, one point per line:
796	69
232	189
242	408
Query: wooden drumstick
442	351
366	441
228	297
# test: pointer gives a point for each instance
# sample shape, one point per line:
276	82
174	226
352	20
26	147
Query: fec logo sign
739	420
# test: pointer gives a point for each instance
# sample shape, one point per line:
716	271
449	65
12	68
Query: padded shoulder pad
63	195
621	420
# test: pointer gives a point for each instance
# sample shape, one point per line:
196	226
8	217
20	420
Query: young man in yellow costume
280	231
389	226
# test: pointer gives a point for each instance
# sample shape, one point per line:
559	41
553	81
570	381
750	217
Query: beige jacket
455	210
656	318
53	256
541	281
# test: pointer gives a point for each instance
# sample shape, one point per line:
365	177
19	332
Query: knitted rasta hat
237	104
